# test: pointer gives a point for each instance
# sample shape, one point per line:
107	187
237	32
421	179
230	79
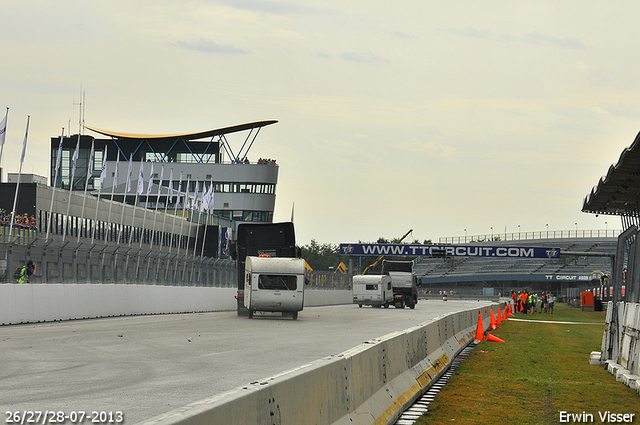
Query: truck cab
274	285
403	281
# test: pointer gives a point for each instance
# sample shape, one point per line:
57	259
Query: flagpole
3	135
124	199
15	197
146	206
184	204
155	214
186	248
196	204
103	175
135	203
73	175
175	213
113	188
55	180
86	184
209	208
169	199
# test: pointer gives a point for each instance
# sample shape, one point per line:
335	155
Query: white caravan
274	284
374	290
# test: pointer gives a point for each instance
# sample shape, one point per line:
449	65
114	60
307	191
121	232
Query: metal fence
68	262
524	236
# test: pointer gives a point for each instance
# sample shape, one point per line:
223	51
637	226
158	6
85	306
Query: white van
374	290
274	284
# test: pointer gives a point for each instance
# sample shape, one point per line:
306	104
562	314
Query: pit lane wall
369	384
621	343
32	303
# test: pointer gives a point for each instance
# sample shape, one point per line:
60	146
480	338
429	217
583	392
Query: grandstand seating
438	267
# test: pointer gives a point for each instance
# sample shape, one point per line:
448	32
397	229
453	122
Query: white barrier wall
369	384
29	303
624	363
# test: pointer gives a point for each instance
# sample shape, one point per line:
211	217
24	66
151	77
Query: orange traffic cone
479	329
493	324
510	313
493	338
499	316
506	308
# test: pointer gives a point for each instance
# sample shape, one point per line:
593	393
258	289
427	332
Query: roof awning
185	136
618	192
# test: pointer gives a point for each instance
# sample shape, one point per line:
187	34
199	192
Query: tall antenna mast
81	105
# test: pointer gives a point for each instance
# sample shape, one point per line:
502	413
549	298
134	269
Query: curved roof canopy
618	192
185	136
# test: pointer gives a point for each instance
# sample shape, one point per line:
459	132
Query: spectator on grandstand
267	161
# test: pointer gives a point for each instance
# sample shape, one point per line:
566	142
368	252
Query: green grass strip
542	370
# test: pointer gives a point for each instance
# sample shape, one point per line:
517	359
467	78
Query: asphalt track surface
144	366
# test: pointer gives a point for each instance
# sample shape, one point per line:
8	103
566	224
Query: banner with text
362	249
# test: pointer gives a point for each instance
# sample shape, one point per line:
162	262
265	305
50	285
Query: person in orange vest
523	301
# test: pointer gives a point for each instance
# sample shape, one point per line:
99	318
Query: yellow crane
375	263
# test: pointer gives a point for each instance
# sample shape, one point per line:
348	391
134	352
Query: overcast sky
432	116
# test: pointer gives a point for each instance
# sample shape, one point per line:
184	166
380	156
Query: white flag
115	176
59	158
150	185
171	186
103	174
179	189
129	173
140	187
75	157
186	196
195	196
24	144
205	198
90	169
211	198
3	128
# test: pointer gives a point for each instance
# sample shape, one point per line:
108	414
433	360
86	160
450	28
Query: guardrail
542	234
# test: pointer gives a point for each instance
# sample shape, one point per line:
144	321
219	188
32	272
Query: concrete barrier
624	363
32	303
369	384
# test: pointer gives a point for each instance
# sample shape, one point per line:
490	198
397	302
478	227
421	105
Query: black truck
256	239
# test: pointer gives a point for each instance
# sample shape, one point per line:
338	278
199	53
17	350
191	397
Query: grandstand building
244	189
494	275
109	206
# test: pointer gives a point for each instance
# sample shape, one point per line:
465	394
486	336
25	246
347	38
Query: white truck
373	290
274	285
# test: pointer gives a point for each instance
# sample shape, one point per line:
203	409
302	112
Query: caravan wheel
294	315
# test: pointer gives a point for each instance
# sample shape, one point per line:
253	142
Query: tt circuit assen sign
360	249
